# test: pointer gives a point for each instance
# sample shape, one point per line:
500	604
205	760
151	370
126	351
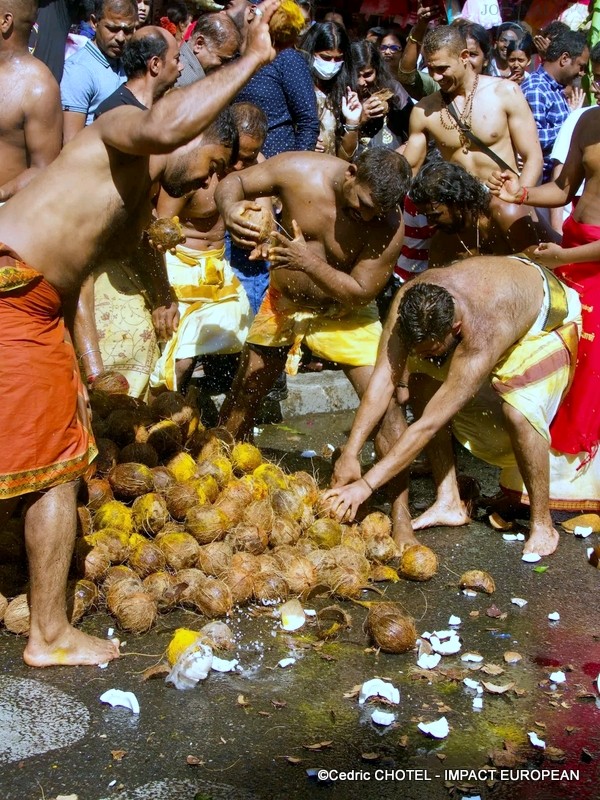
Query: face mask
326	69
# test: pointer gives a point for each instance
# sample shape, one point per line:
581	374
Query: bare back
91	202
31	119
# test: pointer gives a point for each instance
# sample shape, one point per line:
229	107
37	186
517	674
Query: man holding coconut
94	200
459	341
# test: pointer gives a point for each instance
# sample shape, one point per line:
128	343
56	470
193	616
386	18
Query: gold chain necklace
464	120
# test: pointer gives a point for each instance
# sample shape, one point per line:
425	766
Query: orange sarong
44	434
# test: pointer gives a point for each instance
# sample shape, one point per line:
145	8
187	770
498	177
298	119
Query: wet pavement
246	735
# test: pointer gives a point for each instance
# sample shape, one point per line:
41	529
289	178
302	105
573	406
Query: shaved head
24	13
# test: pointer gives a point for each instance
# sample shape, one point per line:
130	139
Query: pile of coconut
179	515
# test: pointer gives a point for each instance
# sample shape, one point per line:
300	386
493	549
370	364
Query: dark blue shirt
284	90
550	109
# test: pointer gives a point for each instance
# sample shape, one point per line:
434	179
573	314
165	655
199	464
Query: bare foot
543	540
404	540
71	648
440	514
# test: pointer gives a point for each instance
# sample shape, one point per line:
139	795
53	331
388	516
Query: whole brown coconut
165	437
170	527
161	587
213	598
259	513
111	382
418	563
207	523
344	582
149	513
269	587
305	486
16	615
478	581
240	576
214	558
92	562
147	557
175	407
325	532
131	480
80	599
307	518
114	514
210	443
263	219
113	542
98	493
299	573
140	454
352	538
346	558
284	531
136	613
207	486
249	538
218	466
166	233
190	580
101	404
272	475
181	498
180	550
121	589
390	628
381	548
108	453
163	479
287	504
376	524
234	500
3	606
119	573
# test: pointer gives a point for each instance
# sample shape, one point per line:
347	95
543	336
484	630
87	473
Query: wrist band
401	385
412	39
524	196
350	128
87	352
371	489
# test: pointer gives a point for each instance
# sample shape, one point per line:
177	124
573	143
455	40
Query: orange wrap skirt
45	438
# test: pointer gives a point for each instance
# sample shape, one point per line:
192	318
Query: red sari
576	426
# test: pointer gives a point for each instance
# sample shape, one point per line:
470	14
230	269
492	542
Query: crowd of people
416	206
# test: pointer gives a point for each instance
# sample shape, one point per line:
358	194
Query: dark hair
525	44
377	31
509	26
139	50
250	120
121	6
224	131
387	175
426	312
444	36
472	30
177	12
553	28
330	36
444	182
396	33
366	54
217	28
571	42
595	53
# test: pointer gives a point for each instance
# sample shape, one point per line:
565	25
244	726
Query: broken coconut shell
390	628
418	563
478	581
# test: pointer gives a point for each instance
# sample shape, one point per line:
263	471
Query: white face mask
326	69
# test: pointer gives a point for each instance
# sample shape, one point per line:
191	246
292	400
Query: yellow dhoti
214	311
126	334
350	338
533	377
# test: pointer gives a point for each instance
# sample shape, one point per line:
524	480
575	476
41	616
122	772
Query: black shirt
120	97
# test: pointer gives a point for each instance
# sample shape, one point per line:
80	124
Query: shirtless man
31	123
217	319
494	109
345	234
529	322
92	200
468	219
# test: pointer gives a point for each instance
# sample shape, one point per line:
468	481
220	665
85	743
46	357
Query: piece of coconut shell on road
594	557
81	598
390	628
418	563
219	635
165	233
478	581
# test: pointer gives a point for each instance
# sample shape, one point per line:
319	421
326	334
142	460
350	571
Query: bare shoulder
507	91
